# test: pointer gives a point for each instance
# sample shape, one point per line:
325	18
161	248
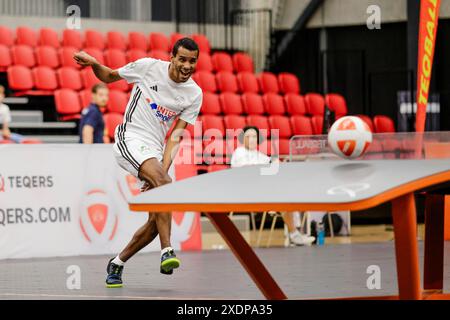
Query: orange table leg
246	256
433	278
406	247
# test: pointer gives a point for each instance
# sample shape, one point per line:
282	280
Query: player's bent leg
151	170
141	238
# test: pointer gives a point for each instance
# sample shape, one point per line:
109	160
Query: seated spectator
92	125
248	154
5	120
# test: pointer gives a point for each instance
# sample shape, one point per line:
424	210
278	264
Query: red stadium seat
383	124
231	103
72	38
85	97
159	41
211	122
23	55
317	124
88	78
67	103
282	124
203	43
135	54
112	120
47	56
49	37
174	37
6	36
261	122
283	147
295	104
337	104
247	82
26	36
367	120
210	104
234	122
5	58
222	62
69	78
274	104
120	85
94	39
137	40
66	57
116	40
45	78
268	82
288	83
115	58
205	80
301	125
96	53
315	104
226	82
160	55
204	63
117	101
253	104
20	78
243	62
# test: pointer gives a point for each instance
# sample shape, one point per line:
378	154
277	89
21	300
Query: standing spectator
248	154
92	125
5	120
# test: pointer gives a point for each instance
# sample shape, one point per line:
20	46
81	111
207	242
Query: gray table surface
297	182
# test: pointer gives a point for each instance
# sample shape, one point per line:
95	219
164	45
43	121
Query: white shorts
131	153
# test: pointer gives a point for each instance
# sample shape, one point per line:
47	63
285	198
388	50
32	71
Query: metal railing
256	34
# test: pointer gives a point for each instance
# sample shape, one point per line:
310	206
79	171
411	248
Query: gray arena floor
308	272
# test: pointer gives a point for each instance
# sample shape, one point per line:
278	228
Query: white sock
293	234
117	261
165	250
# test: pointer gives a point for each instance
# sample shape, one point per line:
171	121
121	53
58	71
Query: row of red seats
265	82
208	126
114	58
96	39
44	80
54	58
272	104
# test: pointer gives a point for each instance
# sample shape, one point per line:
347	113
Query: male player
162	91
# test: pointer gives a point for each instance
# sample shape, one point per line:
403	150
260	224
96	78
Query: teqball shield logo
98	219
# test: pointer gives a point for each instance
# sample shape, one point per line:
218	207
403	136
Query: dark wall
367	66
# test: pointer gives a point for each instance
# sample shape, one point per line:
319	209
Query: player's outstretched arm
102	72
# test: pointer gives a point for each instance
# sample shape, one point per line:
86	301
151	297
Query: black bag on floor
336	221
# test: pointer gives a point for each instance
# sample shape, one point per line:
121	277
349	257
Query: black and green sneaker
114	278
169	261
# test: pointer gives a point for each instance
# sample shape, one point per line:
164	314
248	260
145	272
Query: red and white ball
349	137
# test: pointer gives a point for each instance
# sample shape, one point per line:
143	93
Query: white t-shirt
5	114
155	101
245	157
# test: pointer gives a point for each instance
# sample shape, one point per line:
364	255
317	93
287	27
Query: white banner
63	200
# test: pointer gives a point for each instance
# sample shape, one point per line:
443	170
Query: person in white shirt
5	120
248	154
162	92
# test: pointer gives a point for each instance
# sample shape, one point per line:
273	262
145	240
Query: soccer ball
349	137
